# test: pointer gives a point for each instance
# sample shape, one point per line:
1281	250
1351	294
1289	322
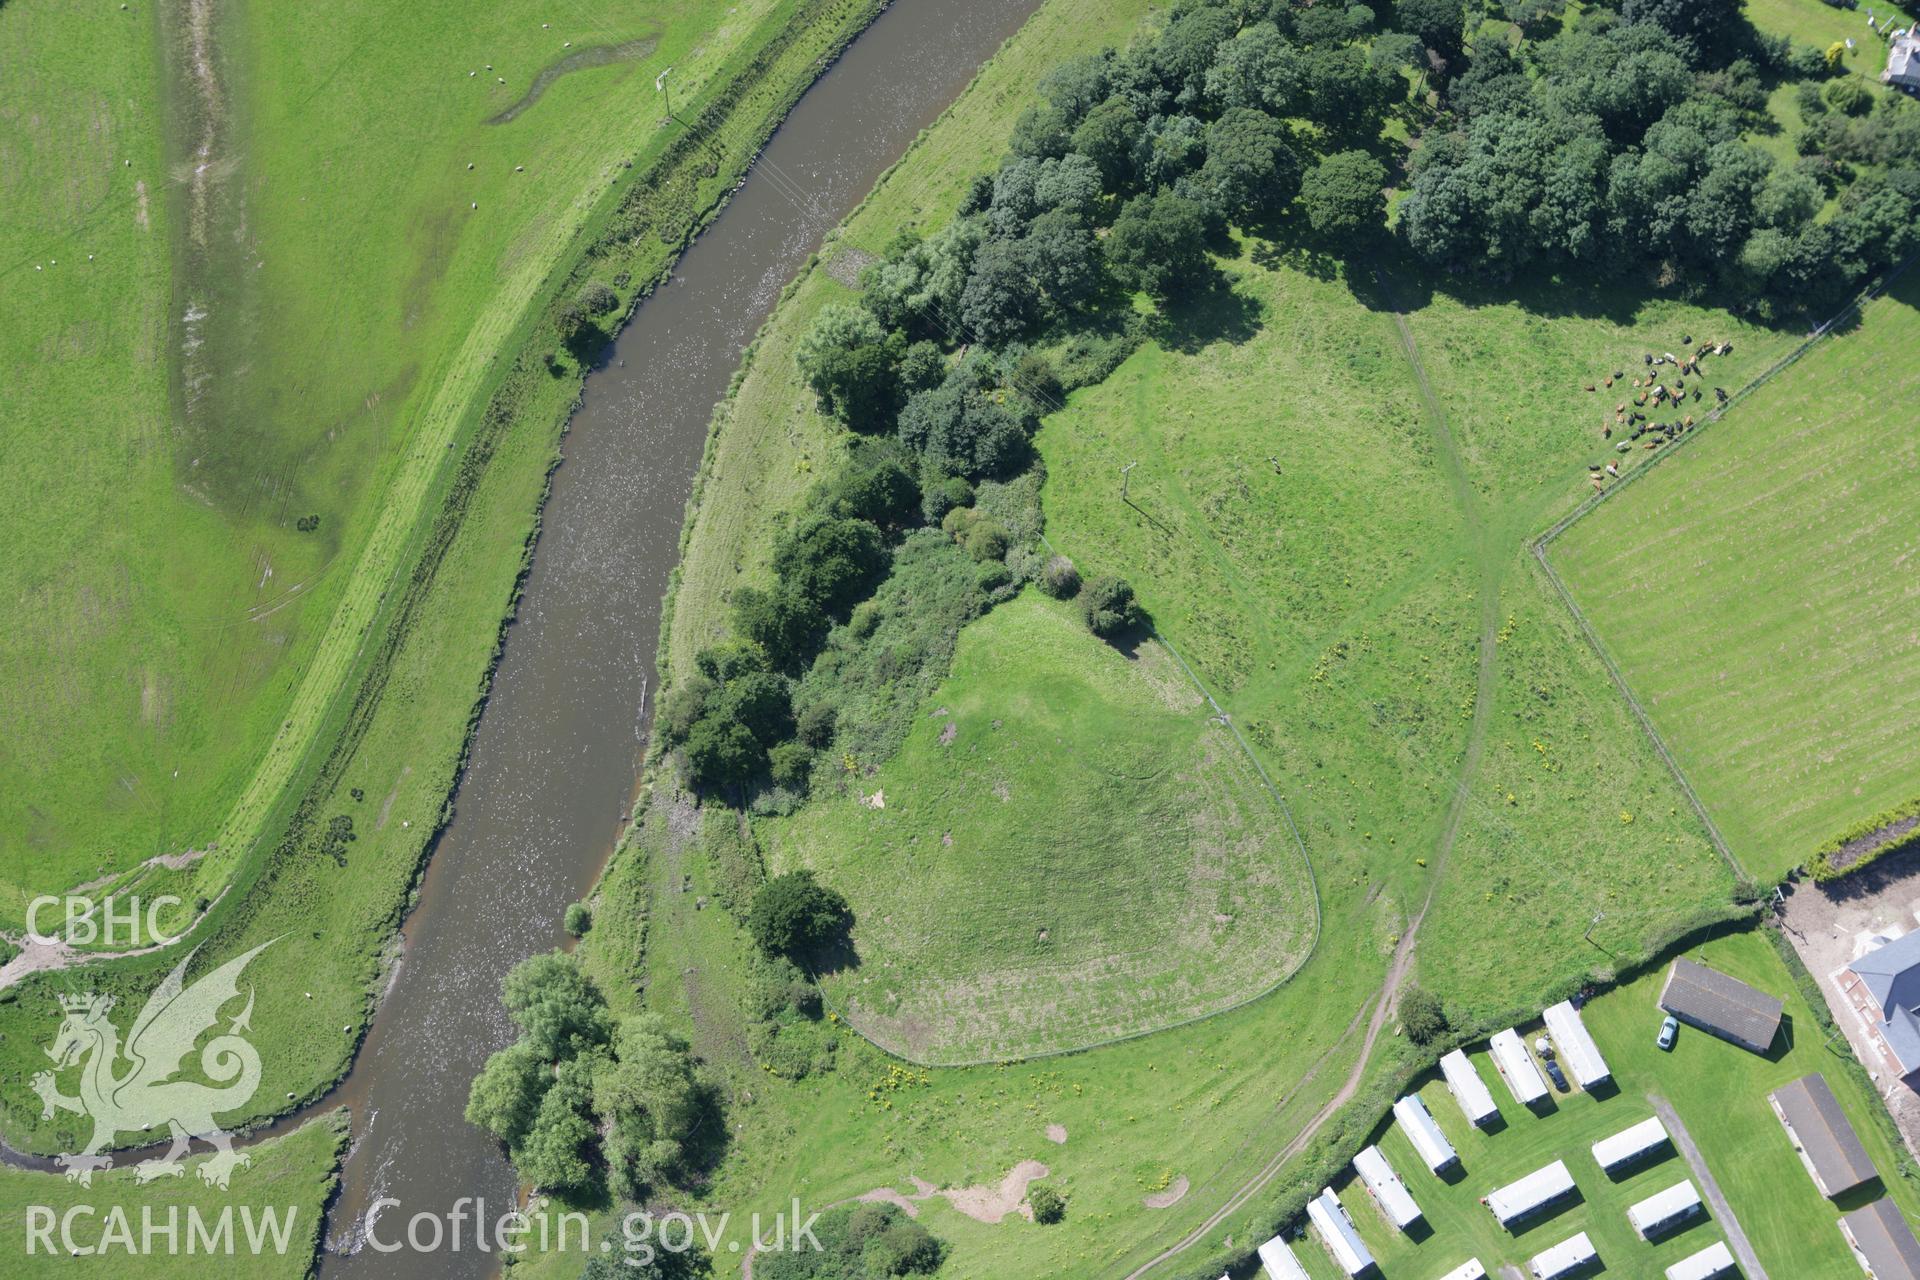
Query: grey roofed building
1724	1006
1886	981
1903	62
1827	1144
1882	1241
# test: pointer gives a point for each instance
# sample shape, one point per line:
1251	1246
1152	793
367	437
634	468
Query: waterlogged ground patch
600	55
1070	851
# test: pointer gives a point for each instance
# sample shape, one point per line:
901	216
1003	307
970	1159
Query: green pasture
1756	591
1067	850
292	1176
181	634
386	754
1719	1092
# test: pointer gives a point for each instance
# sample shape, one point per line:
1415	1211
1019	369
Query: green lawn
291	1177
1120	864
1720	1093
1757	591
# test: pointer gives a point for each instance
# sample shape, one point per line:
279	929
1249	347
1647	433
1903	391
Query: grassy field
291	1176
1756	591
1332	514
1720	1094
1122	865
386	750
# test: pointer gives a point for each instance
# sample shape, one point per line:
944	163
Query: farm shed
1819	1131
1330	1218
1516	1067
1664	1209
1531	1194
1629	1145
1278	1260
1575	1046
1418	1124
1388	1191
1468	1270
1725	1007
1714	1260
1882	1241
1564	1258
1464	1082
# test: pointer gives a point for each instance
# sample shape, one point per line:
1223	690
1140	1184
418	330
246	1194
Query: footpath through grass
291	1178
1116	862
1757	592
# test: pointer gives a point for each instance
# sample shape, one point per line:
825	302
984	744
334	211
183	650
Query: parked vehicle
1668	1030
1556	1075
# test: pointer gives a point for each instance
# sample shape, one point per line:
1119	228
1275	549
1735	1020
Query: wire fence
1542	543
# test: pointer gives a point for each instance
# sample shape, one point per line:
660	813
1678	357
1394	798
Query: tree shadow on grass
1212	313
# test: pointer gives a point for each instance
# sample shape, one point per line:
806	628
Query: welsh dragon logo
143	1095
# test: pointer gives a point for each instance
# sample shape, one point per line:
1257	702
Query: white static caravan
1330	1219
1511	1059
1664	1209
1714	1260
1418	1124
1564	1258
1476	1103
1575	1046
1468	1270
1531	1194
1389	1192
1630	1145
1279	1262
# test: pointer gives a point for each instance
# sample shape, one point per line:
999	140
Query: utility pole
660	86
1123	479
1594	923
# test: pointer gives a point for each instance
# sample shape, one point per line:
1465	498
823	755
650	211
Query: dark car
1556	1075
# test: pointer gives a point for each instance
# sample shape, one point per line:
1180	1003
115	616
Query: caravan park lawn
1757	591
1720	1093
1116	862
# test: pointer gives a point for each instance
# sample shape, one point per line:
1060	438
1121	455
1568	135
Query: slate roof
1891	973
1839	1162
1883	1236
1727	1007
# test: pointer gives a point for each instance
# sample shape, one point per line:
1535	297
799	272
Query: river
556	756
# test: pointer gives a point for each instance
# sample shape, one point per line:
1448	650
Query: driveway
1829	925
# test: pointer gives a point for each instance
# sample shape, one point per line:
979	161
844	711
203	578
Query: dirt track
1472	514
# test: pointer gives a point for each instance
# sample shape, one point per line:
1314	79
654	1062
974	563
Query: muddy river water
557	752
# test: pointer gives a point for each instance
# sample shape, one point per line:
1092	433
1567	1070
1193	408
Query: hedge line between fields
1822	866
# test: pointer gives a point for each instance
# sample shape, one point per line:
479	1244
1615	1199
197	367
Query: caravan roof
1417	1123
1576	1047
1714	1260
1535	1191
1664	1207
1468	1270
1468	1089
1563	1257
1336	1228
1629	1144
1279	1261
1515	1065
1391	1193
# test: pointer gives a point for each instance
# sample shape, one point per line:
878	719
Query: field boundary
1541	545
1221	716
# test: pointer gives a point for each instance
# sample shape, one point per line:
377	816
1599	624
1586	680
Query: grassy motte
1066	850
